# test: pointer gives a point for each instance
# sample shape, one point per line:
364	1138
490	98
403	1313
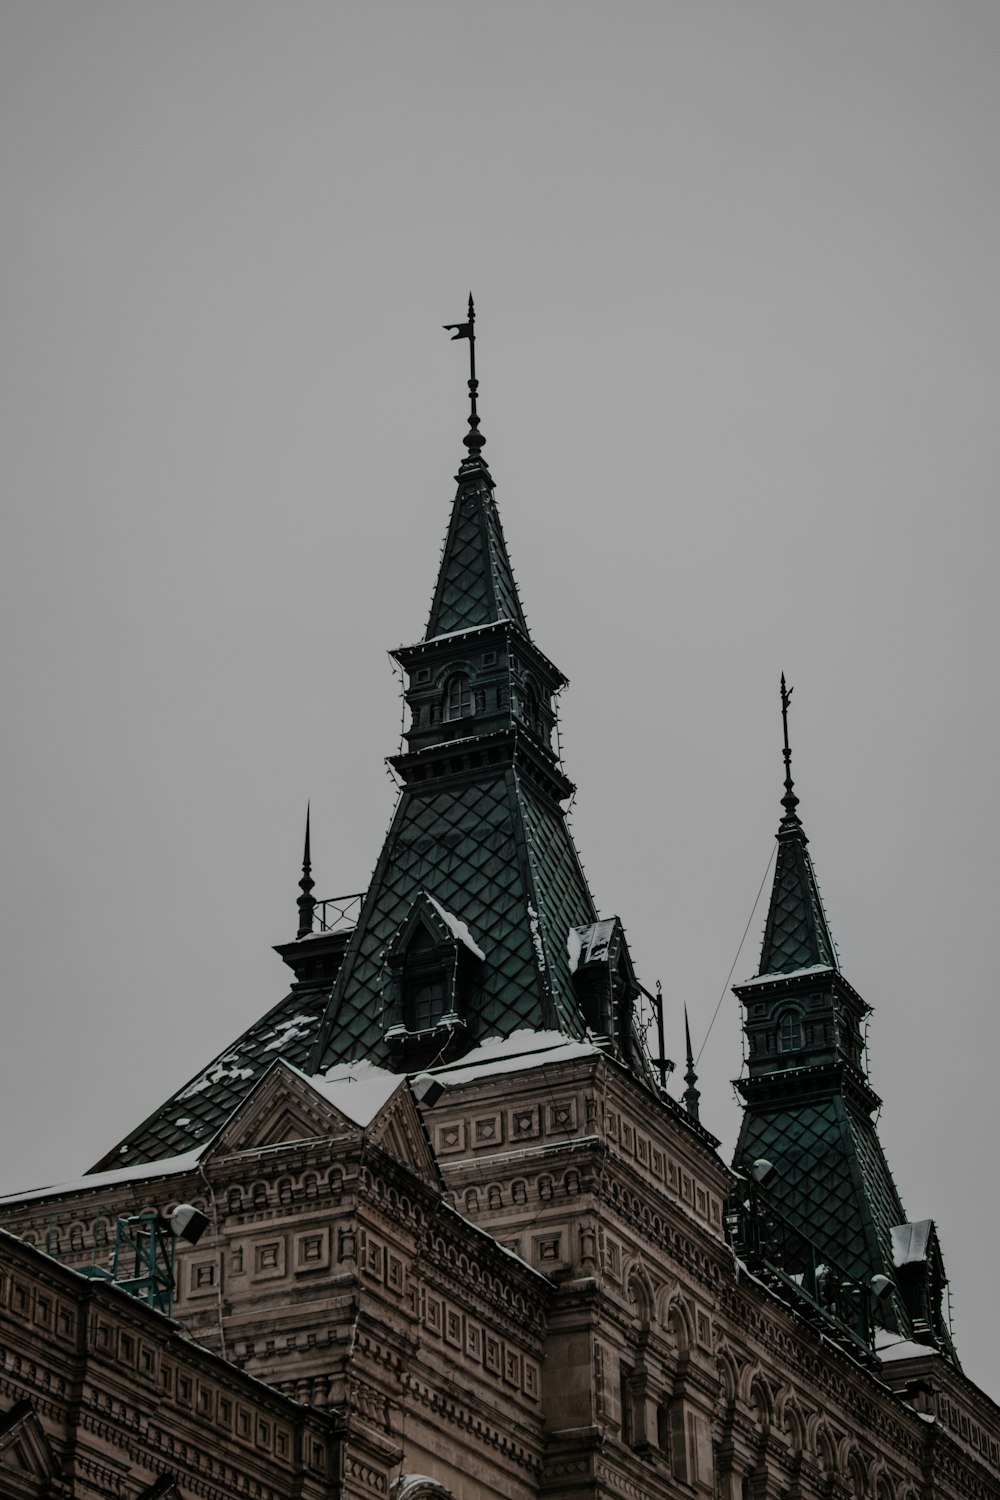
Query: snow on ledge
512	1054
889	1346
792	974
96	1181
448	635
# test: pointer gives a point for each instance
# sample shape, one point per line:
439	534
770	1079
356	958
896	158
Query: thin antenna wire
736	958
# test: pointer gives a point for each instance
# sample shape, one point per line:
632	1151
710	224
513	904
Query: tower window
532	715
459	701
789	1032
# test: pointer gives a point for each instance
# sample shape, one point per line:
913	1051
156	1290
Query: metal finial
473	439
691	1093
789	801
306	903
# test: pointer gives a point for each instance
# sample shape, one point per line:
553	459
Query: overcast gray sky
736	275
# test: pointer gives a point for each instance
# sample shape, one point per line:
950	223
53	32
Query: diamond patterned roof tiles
480	831
796	933
192	1116
475	583
830	1178
495	856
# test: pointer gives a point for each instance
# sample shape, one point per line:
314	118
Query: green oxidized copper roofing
492	848
796	934
193	1115
831	1178
497	858
475	584
813	1124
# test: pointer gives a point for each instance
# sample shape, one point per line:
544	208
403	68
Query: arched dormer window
789	1031
459	699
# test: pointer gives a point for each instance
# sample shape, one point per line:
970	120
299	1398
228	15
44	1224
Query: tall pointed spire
306	903
475	584
809	1104
796	934
692	1093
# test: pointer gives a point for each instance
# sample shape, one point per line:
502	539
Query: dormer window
459	700
432	971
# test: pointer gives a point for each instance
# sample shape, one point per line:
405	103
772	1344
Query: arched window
789	1031
532	716
459	699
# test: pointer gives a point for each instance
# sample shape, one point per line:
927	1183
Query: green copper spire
796	935
829	1198
475	584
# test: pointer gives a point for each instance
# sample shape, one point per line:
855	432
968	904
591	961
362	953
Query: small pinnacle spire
306	904
791	823
691	1093
473	439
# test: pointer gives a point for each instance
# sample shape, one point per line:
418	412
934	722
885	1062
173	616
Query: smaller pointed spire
306	903
791	823
474	439
796	933
691	1094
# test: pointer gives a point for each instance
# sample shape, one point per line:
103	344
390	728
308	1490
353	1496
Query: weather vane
473	439
789	801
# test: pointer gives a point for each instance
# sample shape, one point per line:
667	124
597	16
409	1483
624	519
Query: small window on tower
459	701
532	715
789	1031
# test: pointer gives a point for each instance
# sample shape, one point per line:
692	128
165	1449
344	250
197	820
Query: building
461	1240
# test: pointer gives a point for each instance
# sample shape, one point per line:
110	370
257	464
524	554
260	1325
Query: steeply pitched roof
192	1116
475	584
498	856
831	1178
479	831
796	934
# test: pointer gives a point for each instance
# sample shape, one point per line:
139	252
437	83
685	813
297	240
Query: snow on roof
456	927
96	1181
511	1054
909	1241
287	1031
469	630
791	974
358	1090
227	1067
889	1346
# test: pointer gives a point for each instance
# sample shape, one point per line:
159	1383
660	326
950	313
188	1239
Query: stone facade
543	1303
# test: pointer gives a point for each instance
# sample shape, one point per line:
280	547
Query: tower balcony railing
338	913
777	1250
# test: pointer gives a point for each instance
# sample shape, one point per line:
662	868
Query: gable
399	1129
284	1107
26	1457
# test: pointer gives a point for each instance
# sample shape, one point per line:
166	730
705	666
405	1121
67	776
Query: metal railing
338	913
769	1242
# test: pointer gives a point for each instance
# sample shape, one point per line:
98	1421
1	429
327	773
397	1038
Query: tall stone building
461	1240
